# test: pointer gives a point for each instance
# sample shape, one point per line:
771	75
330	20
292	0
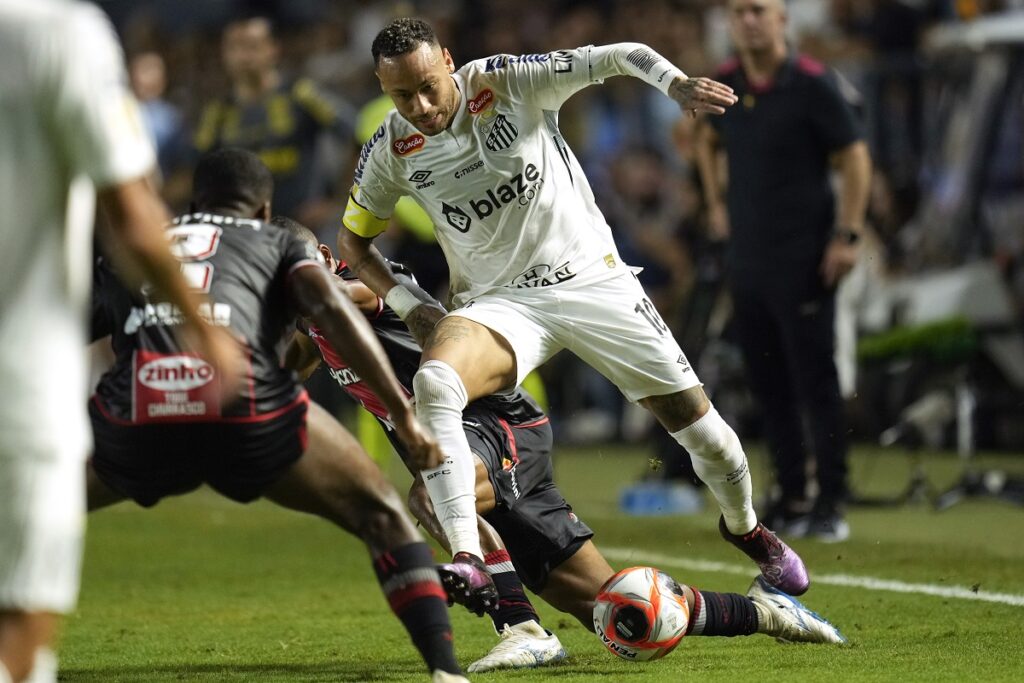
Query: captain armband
361	221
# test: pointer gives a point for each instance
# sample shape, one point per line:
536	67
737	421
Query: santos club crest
502	134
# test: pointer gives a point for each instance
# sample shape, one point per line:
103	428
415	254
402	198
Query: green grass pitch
201	589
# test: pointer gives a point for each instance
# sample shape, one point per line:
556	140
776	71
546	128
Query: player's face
757	25
421	86
249	48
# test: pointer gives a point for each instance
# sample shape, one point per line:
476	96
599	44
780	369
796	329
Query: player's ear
448	61
263	213
325	252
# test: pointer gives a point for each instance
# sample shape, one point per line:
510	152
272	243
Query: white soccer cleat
784	617
523	646
445	677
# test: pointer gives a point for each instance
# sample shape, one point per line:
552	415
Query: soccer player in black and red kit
529	532
158	431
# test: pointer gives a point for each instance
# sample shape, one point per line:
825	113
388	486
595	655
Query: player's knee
710	437
437	385
383	521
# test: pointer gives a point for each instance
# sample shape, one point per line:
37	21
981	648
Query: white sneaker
445	677
523	646
784	617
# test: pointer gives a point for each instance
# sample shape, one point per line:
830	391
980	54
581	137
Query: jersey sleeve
548	80
832	117
298	254
373	197
94	113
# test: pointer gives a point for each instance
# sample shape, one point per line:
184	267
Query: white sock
719	461
5	675
44	670
440	399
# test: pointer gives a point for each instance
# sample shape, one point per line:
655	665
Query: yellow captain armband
359	220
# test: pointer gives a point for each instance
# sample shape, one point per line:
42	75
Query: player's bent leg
463	360
24	637
719	460
335	479
97	494
573	585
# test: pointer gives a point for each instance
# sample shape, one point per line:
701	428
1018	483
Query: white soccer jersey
67	121
509	201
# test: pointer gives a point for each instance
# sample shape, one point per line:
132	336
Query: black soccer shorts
537	524
237	458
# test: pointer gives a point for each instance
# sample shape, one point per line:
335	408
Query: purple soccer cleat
467	582
780	566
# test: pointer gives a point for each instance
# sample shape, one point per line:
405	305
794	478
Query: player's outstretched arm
694	94
134	237
346	329
413	305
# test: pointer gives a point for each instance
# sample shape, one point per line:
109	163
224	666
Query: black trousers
786	331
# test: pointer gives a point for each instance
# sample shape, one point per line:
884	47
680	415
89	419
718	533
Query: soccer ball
641	614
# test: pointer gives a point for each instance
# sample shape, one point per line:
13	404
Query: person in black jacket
790	243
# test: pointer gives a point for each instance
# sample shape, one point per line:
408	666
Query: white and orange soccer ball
641	614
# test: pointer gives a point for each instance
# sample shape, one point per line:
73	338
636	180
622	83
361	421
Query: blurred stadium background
933	350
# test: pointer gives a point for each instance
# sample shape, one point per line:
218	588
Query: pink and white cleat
780	566
467	582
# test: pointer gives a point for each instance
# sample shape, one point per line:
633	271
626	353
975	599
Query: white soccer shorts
42	521
610	324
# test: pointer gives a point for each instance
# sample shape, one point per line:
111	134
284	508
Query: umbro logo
683	362
420	178
502	134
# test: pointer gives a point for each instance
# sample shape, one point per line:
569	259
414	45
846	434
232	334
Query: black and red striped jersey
243	267
515	408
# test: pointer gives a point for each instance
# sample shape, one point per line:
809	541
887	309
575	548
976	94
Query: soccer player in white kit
67	125
533	265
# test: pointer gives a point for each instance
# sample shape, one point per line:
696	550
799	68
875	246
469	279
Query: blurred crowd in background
632	140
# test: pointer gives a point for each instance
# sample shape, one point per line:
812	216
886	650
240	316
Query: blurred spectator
163	121
279	118
789	247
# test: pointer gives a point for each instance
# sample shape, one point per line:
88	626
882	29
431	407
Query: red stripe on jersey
353	385
511	441
535	423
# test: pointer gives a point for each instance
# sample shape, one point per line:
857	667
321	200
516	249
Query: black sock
722	614
513	605
411	585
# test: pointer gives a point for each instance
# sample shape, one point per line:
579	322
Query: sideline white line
959	592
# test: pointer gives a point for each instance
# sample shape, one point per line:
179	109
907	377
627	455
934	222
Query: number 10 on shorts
647	310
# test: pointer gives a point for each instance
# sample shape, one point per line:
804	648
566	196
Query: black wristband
846	235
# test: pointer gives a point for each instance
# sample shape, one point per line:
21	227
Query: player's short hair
231	178
297	229
401	37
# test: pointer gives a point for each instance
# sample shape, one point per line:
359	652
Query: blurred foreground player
68	126
158	434
548	547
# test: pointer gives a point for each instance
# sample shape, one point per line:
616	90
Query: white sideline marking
959	592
